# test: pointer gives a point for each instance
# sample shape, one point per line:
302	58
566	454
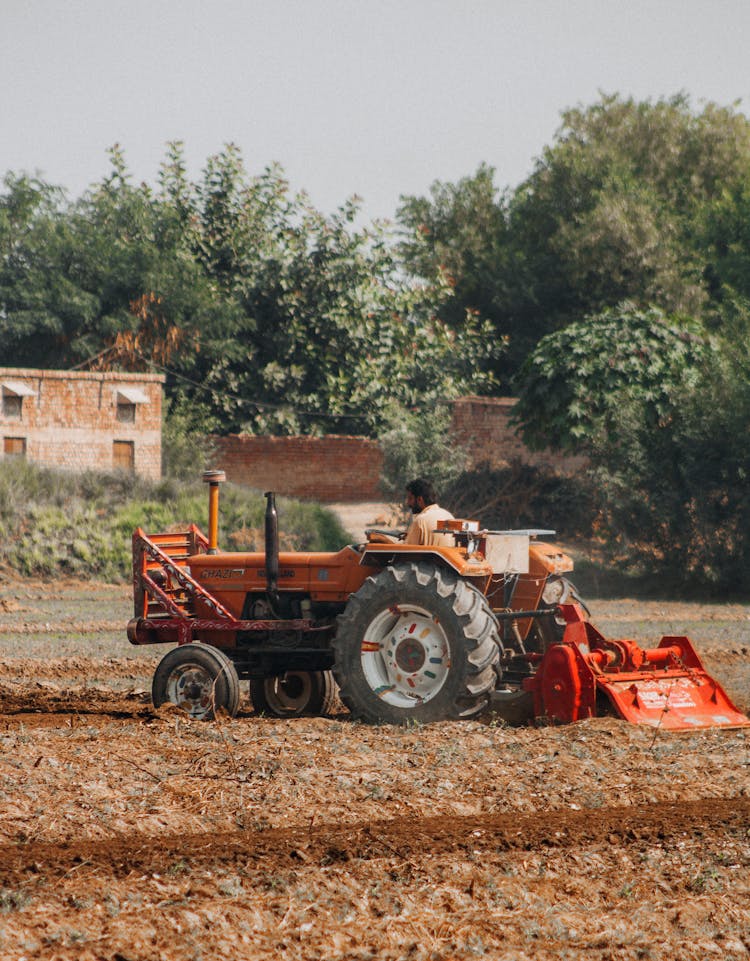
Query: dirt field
130	834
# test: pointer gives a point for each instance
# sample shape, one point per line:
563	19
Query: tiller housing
666	687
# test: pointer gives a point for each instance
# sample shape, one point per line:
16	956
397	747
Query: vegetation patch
82	524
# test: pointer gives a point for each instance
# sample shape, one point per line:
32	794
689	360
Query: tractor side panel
324	577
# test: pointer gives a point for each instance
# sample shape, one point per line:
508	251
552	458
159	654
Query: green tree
674	490
576	382
642	201
105	271
322	330
34	297
461	231
614	207
269	315
661	409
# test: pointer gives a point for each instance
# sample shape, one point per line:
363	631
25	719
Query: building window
12	406
14	392
123	455
127	400
14	446
125	412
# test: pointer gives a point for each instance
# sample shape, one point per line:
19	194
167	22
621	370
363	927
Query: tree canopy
610	289
577	380
640	201
270	315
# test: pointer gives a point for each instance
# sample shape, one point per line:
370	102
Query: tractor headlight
554	591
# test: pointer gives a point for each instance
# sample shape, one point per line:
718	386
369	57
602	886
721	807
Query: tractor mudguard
384	554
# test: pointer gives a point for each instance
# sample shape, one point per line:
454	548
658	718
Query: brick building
81	420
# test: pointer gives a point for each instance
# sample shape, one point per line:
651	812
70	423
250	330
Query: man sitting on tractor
421	501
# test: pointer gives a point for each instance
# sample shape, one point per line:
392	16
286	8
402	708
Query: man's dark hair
422	488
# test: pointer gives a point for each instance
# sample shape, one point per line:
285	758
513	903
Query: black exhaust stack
272	546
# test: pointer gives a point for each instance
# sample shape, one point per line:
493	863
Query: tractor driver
421	501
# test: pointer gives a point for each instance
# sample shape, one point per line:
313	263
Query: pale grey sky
374	97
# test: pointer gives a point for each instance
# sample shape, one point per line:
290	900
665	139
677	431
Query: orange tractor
403	632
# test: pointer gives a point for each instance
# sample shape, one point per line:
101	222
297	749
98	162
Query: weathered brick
327	469
345	469
70	420
482	426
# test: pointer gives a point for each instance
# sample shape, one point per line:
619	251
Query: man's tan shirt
422	528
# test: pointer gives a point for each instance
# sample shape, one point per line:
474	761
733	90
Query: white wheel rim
191	688
289	692
405	656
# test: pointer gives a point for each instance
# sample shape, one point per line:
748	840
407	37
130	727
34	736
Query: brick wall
73	420
482	425
329	469
347	469
69	419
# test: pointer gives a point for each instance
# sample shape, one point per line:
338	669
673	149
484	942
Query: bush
418	443
186	447
674	486
523	495
661	408
56	523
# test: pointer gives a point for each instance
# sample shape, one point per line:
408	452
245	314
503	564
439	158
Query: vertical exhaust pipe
213	478
272	546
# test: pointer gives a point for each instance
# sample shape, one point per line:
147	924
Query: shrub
418	443
56	523
523	495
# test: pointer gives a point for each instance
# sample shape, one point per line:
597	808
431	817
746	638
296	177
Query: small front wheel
199	679
294	694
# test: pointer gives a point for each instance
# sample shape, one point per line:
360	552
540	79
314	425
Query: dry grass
130	834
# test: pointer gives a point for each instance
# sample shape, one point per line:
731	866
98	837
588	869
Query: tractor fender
454	558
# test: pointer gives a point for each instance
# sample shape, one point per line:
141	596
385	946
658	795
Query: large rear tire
294	694
199	679
416	644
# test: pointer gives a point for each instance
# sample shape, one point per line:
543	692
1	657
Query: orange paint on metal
667	687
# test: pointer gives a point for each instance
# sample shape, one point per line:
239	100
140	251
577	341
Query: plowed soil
129	833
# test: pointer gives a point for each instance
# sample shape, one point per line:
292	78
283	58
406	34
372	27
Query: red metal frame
666	687
175	621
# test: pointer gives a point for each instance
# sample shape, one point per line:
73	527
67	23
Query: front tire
199	679
294	694
416	644
549	629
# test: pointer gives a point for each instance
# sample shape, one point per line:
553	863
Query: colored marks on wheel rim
370	647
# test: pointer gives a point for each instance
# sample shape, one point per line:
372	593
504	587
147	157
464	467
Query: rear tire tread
478	645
